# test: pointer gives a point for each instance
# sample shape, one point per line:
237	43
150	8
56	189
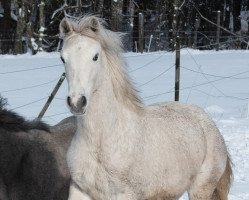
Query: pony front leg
76	194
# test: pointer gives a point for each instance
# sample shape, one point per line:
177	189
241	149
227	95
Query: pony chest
117	153
101	178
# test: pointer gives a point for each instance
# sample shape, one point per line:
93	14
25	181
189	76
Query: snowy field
216	81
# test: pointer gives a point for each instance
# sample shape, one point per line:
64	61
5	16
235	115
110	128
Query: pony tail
224	184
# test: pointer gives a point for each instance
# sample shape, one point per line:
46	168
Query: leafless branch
65	6
182	5
224	29
60	9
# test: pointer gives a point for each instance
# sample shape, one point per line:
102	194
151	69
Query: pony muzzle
77	106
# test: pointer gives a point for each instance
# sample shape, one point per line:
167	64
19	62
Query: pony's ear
65	28
94	24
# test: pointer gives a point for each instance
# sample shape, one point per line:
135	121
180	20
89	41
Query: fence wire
159	55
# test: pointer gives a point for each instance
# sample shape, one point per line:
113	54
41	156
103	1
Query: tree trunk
116	14
236	15
7	28
32	46
231	25
42	25
20	13
189	23
226	20
99	8
6	24
125	7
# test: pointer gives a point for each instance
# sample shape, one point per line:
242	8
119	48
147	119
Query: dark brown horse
33	157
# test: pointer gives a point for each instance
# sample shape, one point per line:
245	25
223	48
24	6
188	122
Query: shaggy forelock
111	41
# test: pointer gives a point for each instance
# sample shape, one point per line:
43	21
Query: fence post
197	24
136	46
177	49
177	69
151	37
141	32
218	31
51	97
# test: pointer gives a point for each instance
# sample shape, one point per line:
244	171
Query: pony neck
122	86
114	99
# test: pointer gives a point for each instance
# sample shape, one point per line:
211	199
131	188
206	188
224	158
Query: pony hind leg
211	184
202	192
205	183
223	187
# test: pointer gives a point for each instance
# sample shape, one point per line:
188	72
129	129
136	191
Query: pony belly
163	173
164	189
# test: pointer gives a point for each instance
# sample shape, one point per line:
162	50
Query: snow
42	29
216	81
13	16
34	44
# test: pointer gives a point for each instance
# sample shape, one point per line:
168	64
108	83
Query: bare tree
116	14
6	23
20	15
99	7
236	15
32	15
7	28
41	24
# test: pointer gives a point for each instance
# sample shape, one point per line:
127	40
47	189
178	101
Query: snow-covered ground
216	81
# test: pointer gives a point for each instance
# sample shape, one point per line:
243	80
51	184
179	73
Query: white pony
123	150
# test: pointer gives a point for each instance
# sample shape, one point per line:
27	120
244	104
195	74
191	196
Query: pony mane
111	43
13	122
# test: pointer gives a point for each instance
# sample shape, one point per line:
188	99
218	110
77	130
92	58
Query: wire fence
156	57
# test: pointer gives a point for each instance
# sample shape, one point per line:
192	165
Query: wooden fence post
218	31
177	69
151	37
141	32
177	49
197	24
51	97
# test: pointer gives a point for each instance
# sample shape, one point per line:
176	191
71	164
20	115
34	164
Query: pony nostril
68	101
83	101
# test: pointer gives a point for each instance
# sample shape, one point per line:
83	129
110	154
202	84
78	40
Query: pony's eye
95	58
62	59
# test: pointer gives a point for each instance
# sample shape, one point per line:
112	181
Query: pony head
81	55
93	54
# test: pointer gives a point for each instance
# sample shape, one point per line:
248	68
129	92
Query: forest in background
32	25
